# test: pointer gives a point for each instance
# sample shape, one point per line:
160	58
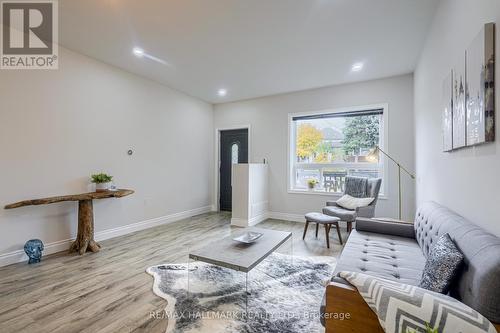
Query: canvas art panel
448	113
480	90
459	122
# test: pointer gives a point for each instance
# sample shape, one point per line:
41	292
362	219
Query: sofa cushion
385	227
405	308
478	284
344	214
391	257
386	256
442	266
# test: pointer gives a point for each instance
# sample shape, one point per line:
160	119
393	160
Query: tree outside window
360	133
331	146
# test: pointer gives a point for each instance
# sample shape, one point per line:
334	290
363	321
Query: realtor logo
29	35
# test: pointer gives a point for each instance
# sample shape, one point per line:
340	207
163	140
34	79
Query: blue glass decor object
33	249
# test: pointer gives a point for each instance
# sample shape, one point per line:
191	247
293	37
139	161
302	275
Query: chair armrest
344	299
385	227
368	211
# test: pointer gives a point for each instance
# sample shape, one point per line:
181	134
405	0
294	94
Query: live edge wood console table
85	238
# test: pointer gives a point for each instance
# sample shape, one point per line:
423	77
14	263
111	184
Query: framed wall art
448	113
480	87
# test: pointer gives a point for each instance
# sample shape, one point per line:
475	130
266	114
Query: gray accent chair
372	190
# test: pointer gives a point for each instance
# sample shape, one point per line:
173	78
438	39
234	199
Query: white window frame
292	141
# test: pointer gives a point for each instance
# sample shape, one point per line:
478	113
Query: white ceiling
250	47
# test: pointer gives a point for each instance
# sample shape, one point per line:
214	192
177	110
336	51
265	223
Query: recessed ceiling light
357	67
222	92
138	52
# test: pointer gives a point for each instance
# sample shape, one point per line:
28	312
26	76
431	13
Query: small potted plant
311	183
102	182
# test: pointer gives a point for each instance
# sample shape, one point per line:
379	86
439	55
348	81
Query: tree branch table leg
85	238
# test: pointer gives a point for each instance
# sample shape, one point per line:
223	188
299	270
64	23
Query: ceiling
252	48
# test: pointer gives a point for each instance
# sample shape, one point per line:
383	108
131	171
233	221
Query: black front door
233	150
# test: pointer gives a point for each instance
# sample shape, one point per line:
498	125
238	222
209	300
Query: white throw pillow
403	308
349	202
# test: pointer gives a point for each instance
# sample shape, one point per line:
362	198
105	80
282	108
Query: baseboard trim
154	222
286	217
257	219
19	255
239	222
63	245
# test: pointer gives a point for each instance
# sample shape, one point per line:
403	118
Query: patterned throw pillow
403	308
442	265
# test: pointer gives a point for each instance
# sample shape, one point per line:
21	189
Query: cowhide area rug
284	295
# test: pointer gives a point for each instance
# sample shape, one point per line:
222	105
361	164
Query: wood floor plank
110	291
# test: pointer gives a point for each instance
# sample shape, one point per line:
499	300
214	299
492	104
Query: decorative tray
248	237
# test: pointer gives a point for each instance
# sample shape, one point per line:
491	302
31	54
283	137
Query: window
234	153
328	146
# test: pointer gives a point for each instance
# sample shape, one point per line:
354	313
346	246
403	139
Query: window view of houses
327	149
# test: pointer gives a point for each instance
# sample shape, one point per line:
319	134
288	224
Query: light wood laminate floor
110	291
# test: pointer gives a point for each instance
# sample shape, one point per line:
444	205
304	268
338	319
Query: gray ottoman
327	221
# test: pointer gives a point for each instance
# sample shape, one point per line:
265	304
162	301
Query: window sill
327	194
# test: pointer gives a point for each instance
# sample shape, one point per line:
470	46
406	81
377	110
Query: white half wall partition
250	194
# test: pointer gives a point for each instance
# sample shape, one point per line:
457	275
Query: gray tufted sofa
398	251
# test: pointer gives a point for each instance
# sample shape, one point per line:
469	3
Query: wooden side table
85	237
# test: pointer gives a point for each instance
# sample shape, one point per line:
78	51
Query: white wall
57	127
268	117
467	180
